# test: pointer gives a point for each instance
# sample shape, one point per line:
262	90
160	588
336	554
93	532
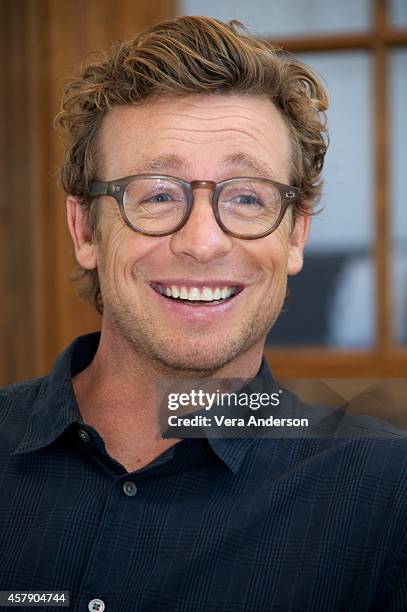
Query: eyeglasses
243	207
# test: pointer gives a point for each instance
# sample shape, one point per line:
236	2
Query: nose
201	237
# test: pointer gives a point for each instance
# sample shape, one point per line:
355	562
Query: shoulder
354	477
362	451
22	388
17	405
18	399
343	423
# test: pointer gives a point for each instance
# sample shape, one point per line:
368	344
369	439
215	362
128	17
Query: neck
117	395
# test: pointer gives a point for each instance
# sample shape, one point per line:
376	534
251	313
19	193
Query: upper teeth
205	294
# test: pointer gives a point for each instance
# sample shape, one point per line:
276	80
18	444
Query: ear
84	246
297	242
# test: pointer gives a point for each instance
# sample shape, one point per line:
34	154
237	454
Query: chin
198	360
199	354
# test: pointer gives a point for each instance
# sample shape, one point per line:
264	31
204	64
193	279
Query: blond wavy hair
182	56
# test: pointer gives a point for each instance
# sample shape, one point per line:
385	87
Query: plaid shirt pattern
211	525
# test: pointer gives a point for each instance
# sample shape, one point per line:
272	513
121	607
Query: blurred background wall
347	311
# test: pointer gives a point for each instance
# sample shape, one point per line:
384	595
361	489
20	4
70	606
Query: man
193	162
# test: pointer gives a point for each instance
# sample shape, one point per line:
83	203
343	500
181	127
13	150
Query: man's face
194	138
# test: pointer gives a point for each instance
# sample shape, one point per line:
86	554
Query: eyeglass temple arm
99	188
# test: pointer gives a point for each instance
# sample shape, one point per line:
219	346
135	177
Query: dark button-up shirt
211	525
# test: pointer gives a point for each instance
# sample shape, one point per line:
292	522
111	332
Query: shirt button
84	436
96	605
129	488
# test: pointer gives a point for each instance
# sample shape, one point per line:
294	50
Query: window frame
386	358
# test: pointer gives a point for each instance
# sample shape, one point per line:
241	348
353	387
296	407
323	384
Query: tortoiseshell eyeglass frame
288	196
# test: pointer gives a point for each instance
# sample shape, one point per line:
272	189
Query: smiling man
193	162
191	275
201	296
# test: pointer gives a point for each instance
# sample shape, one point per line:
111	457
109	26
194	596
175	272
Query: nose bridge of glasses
211	188
211	185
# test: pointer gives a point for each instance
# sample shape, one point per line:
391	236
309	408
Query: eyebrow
172	162
162	163
247	161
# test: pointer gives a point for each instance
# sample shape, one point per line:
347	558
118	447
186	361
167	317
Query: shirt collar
55	407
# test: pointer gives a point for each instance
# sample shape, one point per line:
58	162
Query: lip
206	313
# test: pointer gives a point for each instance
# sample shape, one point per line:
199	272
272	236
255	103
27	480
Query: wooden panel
6	302
22	117
324	42
340	42
42	41
395	38
330	363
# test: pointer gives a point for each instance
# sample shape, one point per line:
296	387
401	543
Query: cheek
113	251
121	253
271	253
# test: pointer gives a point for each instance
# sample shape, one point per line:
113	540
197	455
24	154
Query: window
348	308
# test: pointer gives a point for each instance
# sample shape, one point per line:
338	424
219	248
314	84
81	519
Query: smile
197	295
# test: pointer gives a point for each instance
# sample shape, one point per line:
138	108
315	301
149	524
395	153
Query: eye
247	200
241	198
160	198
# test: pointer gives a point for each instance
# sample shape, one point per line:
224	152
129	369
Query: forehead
197	136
